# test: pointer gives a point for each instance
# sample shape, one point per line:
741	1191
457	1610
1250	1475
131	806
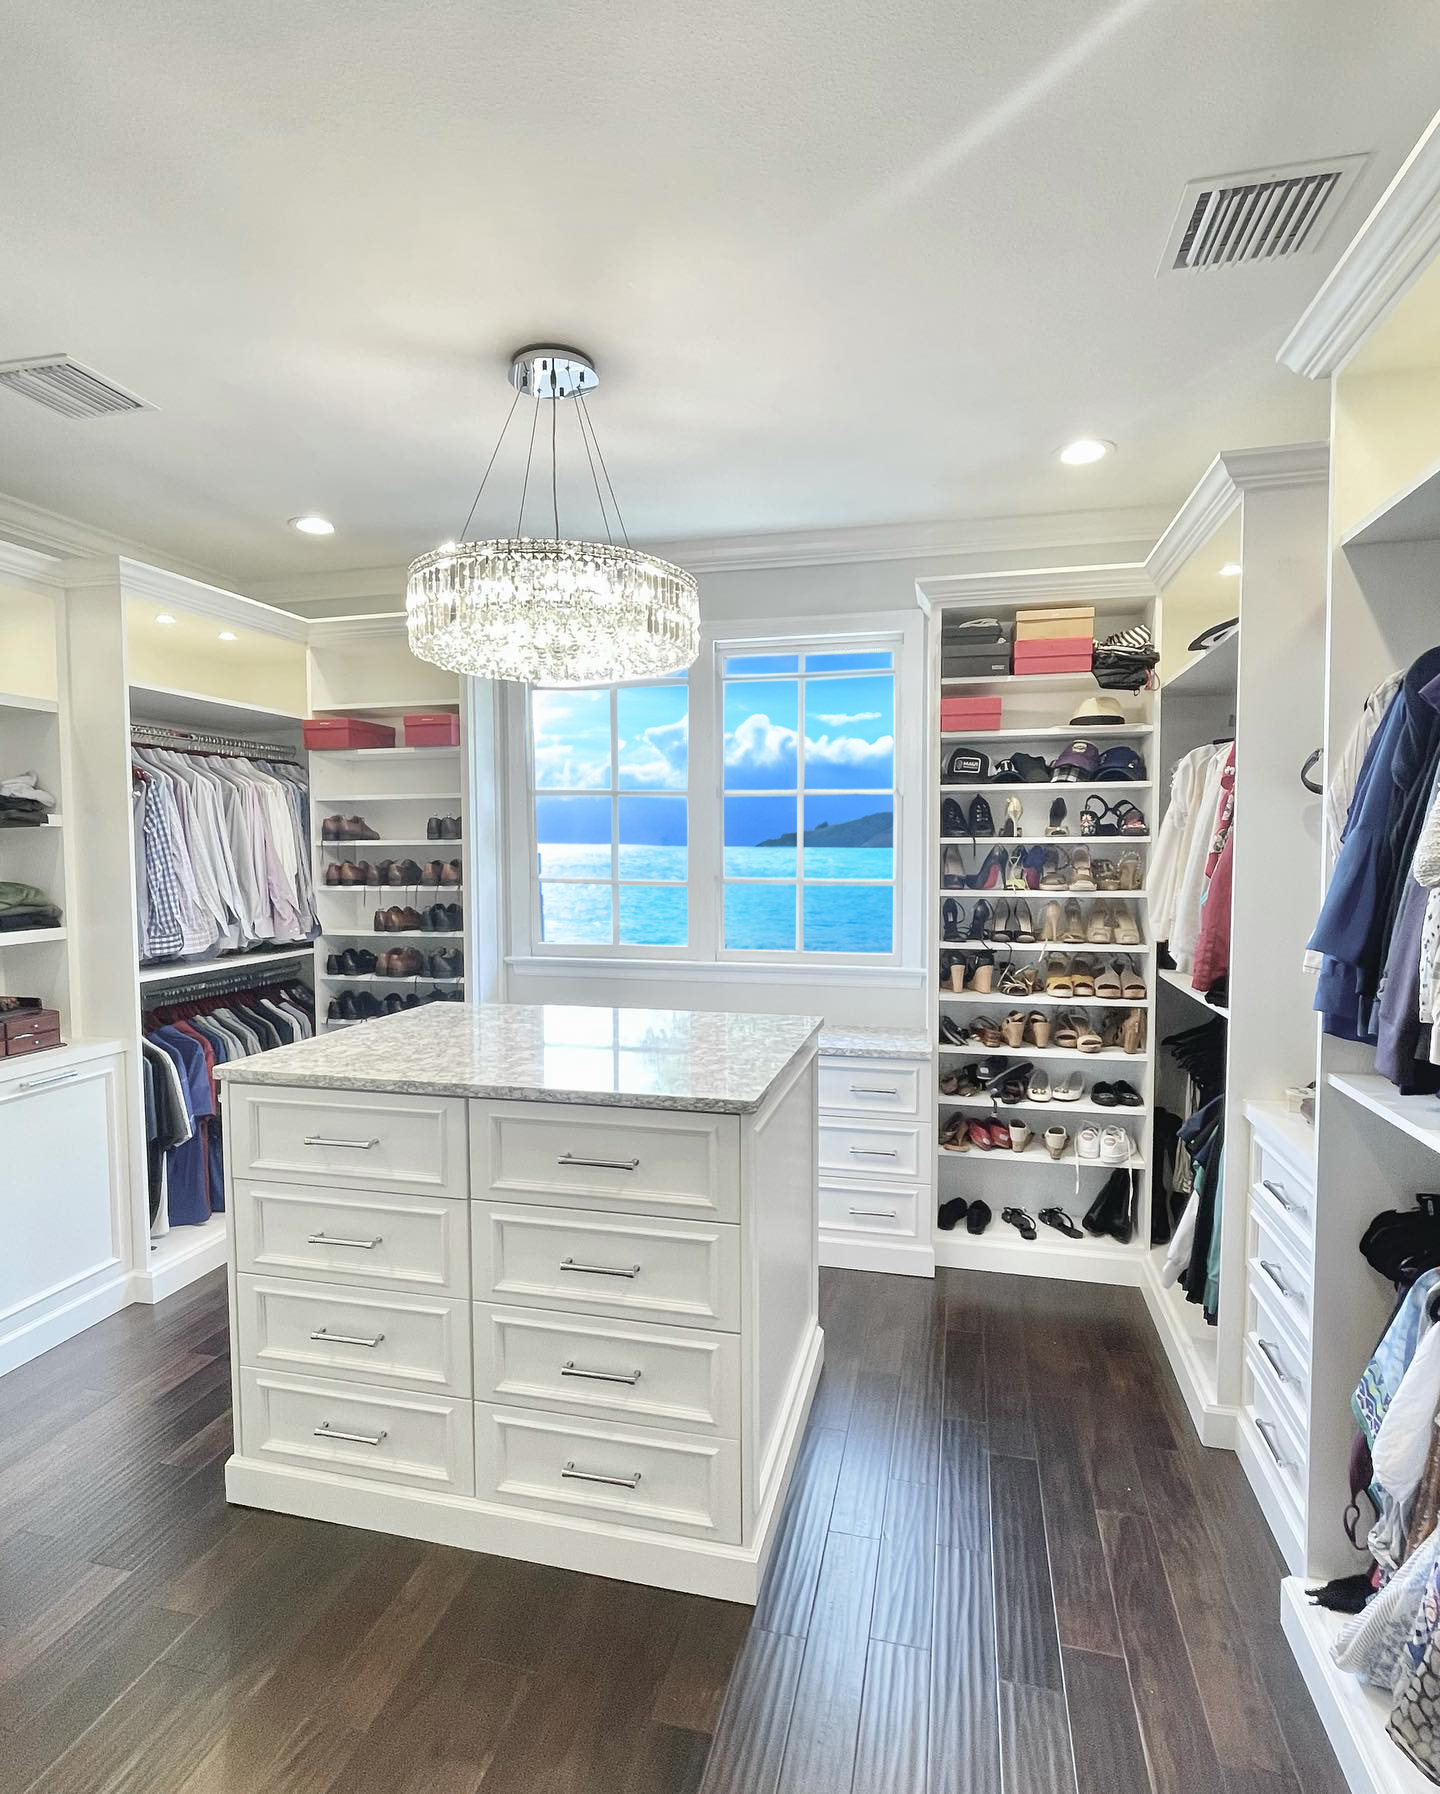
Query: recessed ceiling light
228	635
1084	450
1231	570
311	525
164	617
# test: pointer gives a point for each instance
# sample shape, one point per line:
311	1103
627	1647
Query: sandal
1129	868
1101	929
982	973
1082	877
953	1137
1057	979
958	967
1012	1087
1132	985
952	869
1059	814
1016	878
1082	977
1107	878
1073	929
1086	1039
1066	1034
950	1084
1126	932
1061	1222
1132	1031
1037	1028
1050	922
1024	923
1108	982
1017	981
1054	870
1023	1224
1013	1028
1014	823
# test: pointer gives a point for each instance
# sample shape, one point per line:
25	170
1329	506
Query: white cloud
762	749
848	750
564	766
834	721
659	758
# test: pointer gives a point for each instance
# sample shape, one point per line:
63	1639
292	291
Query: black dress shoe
978	1218
432	829
333	1013
456	917
348	1011
950	1212
394	1003
368	1005
333	967
952	817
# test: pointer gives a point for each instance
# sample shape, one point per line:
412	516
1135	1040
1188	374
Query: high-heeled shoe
1016	874
991	876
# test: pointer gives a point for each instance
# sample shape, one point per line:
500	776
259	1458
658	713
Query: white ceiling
839	263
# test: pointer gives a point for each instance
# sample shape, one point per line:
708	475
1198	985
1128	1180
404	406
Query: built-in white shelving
1418	1117
1208	674
174	971
18	700
1100	733
178	709
1181	981
32	937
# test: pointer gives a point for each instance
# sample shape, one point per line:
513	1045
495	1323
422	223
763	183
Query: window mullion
614	816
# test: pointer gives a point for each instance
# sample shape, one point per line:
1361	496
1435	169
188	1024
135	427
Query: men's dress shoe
412	999
333	828
445	965
348	1011
380	924
408	872
432	829
333	1013
368	1005
333	967
409	918
450	873
431	871
454	917
332	873
449	828
434	919
952	817
408	962
357	829
393	1004
385	872
356	872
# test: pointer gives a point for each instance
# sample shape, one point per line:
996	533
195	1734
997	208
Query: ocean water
844	918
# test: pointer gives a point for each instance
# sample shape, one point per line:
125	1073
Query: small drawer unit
868	1087
628	1476
1281	1449
334	1330
350	1138
1271	1338
633	1161
866	1209
620	1370
870	1149
648	1267
377	1238
355	1430
1277	1270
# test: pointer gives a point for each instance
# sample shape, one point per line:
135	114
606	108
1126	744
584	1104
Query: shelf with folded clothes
1415	1116
32	937
176	969
22	831
1049	732
1181	981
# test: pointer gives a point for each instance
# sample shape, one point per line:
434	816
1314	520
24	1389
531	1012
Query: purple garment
1402	1038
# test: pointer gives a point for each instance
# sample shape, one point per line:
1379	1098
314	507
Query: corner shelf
1417	1116
1208	674
1179	981
17	700
180	709
1077	1261
32	937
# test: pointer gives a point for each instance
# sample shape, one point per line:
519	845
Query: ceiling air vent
1261	216
63	385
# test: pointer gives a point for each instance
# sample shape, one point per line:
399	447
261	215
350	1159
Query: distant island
861	831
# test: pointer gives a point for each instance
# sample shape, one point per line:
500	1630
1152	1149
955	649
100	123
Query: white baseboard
690	1566
26	1336
894	1258
1214	1422
180	1265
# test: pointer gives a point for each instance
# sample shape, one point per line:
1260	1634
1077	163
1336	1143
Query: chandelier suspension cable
600	497
529	455
465	531
554	476
619	516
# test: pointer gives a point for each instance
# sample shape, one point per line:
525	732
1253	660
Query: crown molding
1220	489
28	568
340	632
1392	247
138	579
1036	585
65	538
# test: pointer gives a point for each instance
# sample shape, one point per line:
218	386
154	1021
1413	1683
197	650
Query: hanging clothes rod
188	984
186	741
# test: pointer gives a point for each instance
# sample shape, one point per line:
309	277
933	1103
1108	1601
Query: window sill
729	971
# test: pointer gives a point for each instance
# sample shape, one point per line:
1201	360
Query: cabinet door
57	1187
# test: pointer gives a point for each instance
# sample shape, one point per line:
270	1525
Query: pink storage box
1055	654
432	728
331	732
969	713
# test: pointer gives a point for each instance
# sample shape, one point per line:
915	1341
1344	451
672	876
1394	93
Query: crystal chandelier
542	609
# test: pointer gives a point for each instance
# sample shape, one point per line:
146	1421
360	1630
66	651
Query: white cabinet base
597	1548
902	1258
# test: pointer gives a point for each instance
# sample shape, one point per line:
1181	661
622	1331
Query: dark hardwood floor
1006	1562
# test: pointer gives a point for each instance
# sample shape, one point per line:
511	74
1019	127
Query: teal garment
1212	1257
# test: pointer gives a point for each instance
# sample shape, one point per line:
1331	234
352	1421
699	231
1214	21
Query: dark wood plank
670	1760
712	1635
916	1454
1028	1645
1172	1719
865	1468
1007	1377
789	1590
1104	1729
964	1719
750	1738
1035	1741
892	1748
905	1583
820	1749
963	1519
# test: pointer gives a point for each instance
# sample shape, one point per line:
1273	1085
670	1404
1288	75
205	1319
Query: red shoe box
432	728
969	713
327	733
1055	654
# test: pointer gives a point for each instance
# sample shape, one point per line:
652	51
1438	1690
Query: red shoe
979	1134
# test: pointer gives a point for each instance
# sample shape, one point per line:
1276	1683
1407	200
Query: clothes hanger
1312	761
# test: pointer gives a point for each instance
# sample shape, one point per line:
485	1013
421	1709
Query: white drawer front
870	1150
631	1476
1280	1193
343	1236
620	1370
349	1429
650	1268
332	1330
1277	1270
1280	1449
354	1138
1271	1353
870	1087
864	1209
632	1160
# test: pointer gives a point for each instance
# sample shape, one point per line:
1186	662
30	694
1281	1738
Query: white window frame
705	953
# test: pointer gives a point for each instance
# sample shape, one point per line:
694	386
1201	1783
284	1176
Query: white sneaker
1116	1147
1087	1142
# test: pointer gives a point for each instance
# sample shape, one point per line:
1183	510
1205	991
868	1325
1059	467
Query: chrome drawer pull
347	1338
569	1264
320	1140
880	1214
873	1090
1278	1192
570	1158
1271	1355
334	1239
326	1431
594	1476
1265	1428
874	1152
61	1077
571	1369
1273	1273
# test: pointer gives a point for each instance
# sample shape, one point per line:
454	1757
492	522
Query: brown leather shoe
333	828
354	872
332	873
450	873
383	873
410	962
380	923
409	918
430	873
407	872
357	829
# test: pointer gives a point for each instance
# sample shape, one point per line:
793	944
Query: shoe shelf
355	798
1059	948
1181	981
1121	786
1087	841
1001	1249
410	936
1035	999
1415	1116
395	841
1030	681
972	1049
1035	1154
375	978
964	893
1048	732
1053	1107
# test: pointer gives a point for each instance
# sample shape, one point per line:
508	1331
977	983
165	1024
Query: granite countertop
552	1053
876	1043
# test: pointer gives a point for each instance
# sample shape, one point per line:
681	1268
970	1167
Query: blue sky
572	738
849	733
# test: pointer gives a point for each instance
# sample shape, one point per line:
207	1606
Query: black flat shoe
1104	1094
978	1218
1127	1096
1023	1224
950	1212
1061	1222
